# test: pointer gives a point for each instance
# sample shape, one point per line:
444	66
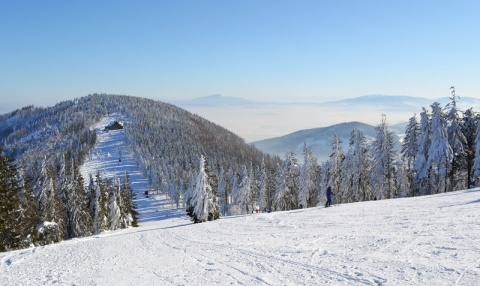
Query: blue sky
263	50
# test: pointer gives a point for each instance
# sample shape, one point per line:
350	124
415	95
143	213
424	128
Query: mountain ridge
319	139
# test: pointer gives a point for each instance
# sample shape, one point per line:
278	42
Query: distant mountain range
216	100
385	102
320	139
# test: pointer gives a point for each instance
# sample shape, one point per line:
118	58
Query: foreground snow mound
432	240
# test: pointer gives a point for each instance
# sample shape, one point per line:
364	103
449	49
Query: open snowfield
431	240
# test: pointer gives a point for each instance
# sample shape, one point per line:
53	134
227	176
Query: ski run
430	240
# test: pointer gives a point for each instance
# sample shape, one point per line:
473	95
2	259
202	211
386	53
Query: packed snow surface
431	240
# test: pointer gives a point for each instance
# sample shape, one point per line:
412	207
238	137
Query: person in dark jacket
329	197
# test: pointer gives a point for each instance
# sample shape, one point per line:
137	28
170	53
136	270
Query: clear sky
260	49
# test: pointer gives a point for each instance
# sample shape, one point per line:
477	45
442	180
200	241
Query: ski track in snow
105	157
432	240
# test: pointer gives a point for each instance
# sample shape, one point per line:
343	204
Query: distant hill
319	139
377	101
401	102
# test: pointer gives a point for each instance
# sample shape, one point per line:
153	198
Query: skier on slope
329	197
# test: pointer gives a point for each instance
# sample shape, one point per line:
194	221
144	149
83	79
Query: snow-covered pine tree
48	230
252	195
457	176
9	205
222	192
28	216
240	193
410	142
129	199
114	214
440	153
203	199
93	204
402	180
286	196
123	203
262	188
187	198
212	192
420	182
355	184
100	220
77	215
476	163
42	188
307	175
383	166
470	125
333	166
410	150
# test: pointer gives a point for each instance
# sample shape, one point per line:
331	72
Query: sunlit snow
431	240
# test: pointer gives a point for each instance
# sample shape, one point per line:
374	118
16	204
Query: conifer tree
440	153
476	164
240	193
212	181
48	230
252	195
100	219
421	170
410	146
203	200
286	196
130	199
402	180
333	171
410	142
93	204
307	174
77	218
28	217
457	176
470	124
9	205
222	192
383	157
356	168
114	214
262	186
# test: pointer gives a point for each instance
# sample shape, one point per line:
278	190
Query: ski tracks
261	266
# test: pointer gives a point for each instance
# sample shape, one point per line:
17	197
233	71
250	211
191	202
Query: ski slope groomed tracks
431	240
112	158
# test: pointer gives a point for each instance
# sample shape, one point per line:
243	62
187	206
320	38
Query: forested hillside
206	169
47	146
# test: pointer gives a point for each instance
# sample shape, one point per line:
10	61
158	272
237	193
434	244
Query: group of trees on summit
207	169
47	146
